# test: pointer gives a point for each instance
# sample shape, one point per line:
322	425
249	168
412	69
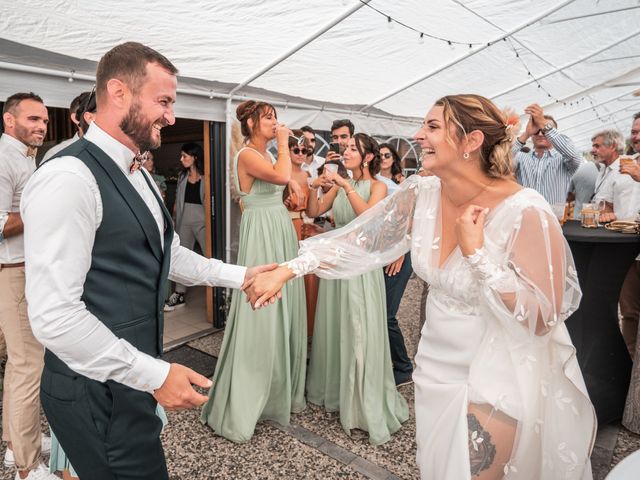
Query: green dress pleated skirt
260	374
350	370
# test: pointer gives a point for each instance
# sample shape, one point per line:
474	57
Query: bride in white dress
498	390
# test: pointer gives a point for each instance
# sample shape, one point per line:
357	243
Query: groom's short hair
128	63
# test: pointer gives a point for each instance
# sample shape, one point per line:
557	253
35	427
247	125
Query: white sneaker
10	459
41	472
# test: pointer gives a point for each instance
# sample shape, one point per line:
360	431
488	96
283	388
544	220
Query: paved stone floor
314	445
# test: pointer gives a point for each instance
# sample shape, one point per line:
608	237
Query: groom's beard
140	130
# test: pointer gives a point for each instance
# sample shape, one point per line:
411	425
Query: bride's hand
470	229
266	286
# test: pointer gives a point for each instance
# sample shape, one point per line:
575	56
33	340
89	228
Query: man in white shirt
25	125
612	187
313	162
99	245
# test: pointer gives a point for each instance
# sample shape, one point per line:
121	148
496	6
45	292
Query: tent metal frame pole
16	67
513	37
585	131
422	78
590	89
607	114
251	78
590	107
328	26
587	15
568	65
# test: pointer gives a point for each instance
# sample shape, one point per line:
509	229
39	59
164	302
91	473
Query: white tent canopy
379	62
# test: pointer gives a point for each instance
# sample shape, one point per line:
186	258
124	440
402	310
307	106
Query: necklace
475	195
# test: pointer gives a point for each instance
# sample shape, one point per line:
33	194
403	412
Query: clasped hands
262	284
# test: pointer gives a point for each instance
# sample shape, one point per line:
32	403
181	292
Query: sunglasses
385	155
540	132
303	151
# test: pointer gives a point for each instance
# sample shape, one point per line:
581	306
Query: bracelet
314	188
350	192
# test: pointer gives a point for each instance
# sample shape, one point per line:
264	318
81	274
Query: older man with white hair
613	188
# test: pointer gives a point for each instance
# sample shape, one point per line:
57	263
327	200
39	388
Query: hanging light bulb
390	23
210	94
71	74
421	39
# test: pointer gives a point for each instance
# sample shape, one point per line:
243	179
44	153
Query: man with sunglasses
548	168
313	162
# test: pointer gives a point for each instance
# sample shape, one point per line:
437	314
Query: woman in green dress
350	368
261	369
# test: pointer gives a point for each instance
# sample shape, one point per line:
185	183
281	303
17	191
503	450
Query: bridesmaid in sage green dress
261	369
350	368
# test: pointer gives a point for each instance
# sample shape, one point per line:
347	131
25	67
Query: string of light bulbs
422	35
549	95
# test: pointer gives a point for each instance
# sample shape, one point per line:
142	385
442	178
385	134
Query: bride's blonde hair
470	112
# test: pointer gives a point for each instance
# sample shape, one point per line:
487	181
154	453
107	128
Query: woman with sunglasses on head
396	274
261	368
350	367
296	196
498	389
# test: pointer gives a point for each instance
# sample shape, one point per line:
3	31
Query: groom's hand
253	271
250	277
268	285
177	392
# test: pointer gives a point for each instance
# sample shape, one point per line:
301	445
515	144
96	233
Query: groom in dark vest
99	247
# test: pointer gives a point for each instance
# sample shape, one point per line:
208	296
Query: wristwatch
547	127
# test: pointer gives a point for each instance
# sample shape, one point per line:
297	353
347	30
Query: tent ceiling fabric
579	52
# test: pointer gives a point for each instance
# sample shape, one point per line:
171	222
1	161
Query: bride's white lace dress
494	332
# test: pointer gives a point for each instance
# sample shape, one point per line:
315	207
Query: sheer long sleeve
374	239
538	286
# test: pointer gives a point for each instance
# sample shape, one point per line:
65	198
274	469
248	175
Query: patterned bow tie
137	161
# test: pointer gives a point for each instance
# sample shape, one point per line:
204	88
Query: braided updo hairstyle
252	110
365	145
470	112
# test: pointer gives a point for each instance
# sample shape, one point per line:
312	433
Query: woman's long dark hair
195	150
396	166
365	145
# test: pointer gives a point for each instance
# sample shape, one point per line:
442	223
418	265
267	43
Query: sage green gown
261	370
350	368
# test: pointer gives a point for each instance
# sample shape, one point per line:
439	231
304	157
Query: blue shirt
550	174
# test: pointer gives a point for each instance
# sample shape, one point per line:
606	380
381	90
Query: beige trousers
25	360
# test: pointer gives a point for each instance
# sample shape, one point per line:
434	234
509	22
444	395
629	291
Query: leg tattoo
482	451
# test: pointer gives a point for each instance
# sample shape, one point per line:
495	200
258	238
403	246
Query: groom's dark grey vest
126	284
